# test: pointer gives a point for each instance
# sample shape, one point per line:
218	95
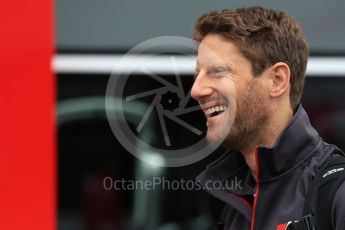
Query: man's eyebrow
215	69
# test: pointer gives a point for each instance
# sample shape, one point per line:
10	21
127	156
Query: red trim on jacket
257	189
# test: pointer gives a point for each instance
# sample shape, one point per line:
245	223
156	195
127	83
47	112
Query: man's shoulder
321	156
327	193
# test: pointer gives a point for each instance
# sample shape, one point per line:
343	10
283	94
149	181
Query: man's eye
219	74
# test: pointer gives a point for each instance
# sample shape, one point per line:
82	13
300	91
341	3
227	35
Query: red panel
27	133
282	227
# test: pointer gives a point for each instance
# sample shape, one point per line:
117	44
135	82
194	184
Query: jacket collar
294	146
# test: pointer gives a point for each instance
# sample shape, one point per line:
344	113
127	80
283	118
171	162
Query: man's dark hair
265	37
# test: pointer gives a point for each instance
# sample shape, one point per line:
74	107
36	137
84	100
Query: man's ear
280	76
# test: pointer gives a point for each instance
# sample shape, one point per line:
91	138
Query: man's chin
214	139
224	141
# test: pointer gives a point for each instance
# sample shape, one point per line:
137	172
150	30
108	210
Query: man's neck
268	138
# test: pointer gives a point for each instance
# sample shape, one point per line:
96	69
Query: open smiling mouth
214	111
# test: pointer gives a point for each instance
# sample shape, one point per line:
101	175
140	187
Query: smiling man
249	81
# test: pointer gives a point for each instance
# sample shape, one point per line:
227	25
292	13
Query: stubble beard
251	118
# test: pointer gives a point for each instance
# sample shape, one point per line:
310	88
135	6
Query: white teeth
215	109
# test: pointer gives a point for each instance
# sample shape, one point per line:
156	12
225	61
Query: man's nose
201	87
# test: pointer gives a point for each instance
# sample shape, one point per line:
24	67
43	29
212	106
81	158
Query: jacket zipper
256	190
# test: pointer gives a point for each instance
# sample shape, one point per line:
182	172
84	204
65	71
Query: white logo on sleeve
332	171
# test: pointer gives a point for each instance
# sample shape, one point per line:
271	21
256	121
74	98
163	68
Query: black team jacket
284	174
